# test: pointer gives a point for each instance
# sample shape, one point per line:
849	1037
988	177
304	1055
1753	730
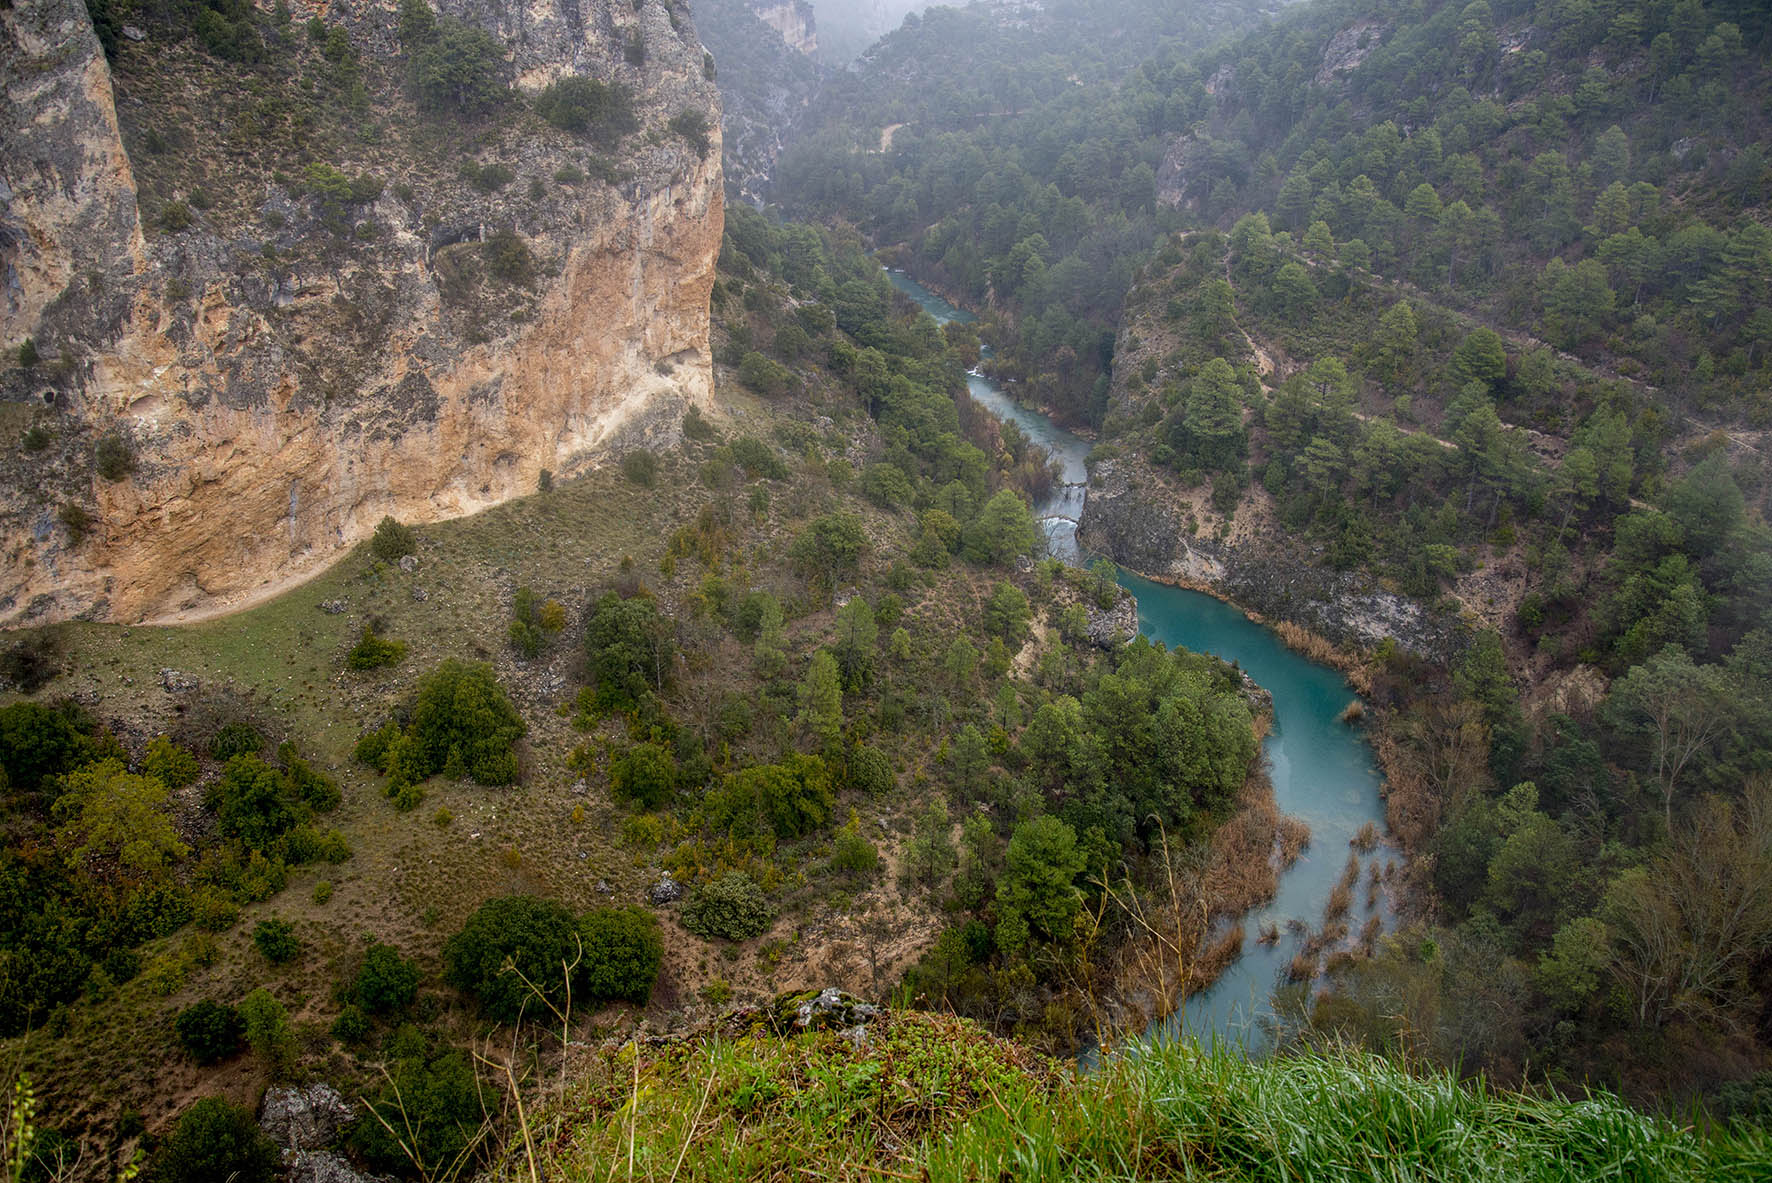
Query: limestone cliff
278	300
793	19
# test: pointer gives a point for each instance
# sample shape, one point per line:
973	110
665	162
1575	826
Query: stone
409	563
420	594
334	607
134	34
174	682
666	890
303	1117
324	1166
829	1009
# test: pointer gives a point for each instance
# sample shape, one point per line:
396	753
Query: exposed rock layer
284	381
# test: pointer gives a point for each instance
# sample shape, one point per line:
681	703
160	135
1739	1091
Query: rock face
793	19
1138	529
273	370
303	1118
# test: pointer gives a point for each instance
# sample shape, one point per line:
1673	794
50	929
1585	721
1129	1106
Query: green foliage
386	982
768	378
216	1140
275	939
1003	531
168	763
37	742
255	802
623	950
732	907
236	739
392	541
27	353
427	1115
463	721
209	1031
1036	897
374	651
830	546
692	125
641	467
644	776
510	950
115	824
584	106
268	1031
1007	613
851	852
789	799
630	647
456	68
113	456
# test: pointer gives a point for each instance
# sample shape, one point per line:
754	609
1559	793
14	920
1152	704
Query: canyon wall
793	19
252	307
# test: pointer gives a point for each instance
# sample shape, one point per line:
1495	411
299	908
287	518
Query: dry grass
1302	967
1366	840
1341	897
1353	712
1295	836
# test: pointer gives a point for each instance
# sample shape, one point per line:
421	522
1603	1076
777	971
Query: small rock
828	1010
324	1166
134	34
419	594
174	682
409	563
304	1118
666	890
334	607
603	887
580	788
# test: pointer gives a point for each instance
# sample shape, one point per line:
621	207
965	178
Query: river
1322	770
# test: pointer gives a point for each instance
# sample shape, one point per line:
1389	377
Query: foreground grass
932	1097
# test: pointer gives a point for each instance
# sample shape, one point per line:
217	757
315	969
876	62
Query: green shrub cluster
463	726
604	111
209	1031
514	953
392	541
732	907
373	651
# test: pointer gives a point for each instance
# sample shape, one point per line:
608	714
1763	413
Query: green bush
268	1031
641	467
352	1024
392	541
536	937
757	458
373	651
509	258
645	775
622	952
254	803
766	377
693	126
630	649
27	353
458	69
583	105
169	764
236	739
275	938
214	1141
464	725
113	456
38	742
386	981
434	1099
869	771
209	1031
731	906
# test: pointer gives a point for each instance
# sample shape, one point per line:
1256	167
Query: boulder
304	1117
666	890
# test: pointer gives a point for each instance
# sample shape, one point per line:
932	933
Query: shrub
645	775
433	1097
585	105
254	803
209	1031
464	725
215	1140
236	739
1006	614
113	456
37	742
508	257
352	1025
169	764
622	952
768	378
757	458
27	353
322	890
641	467
692	125
268	1030
534	937
36	437
175	216
275	938
392	541
386	982
458	68
731	906
851	852
32	661
869	771
630	649
374	651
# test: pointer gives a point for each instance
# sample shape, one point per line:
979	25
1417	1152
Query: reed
1366	840
1353	713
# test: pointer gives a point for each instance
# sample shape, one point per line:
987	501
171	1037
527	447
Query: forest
1460	293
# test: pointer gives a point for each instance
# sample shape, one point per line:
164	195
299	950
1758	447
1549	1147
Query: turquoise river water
1322	770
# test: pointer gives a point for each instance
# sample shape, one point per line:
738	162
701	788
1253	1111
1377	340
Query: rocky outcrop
1127	518
272	370
793	19
1348	48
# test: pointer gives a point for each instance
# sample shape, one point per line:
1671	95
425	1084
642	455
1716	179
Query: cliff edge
272	275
